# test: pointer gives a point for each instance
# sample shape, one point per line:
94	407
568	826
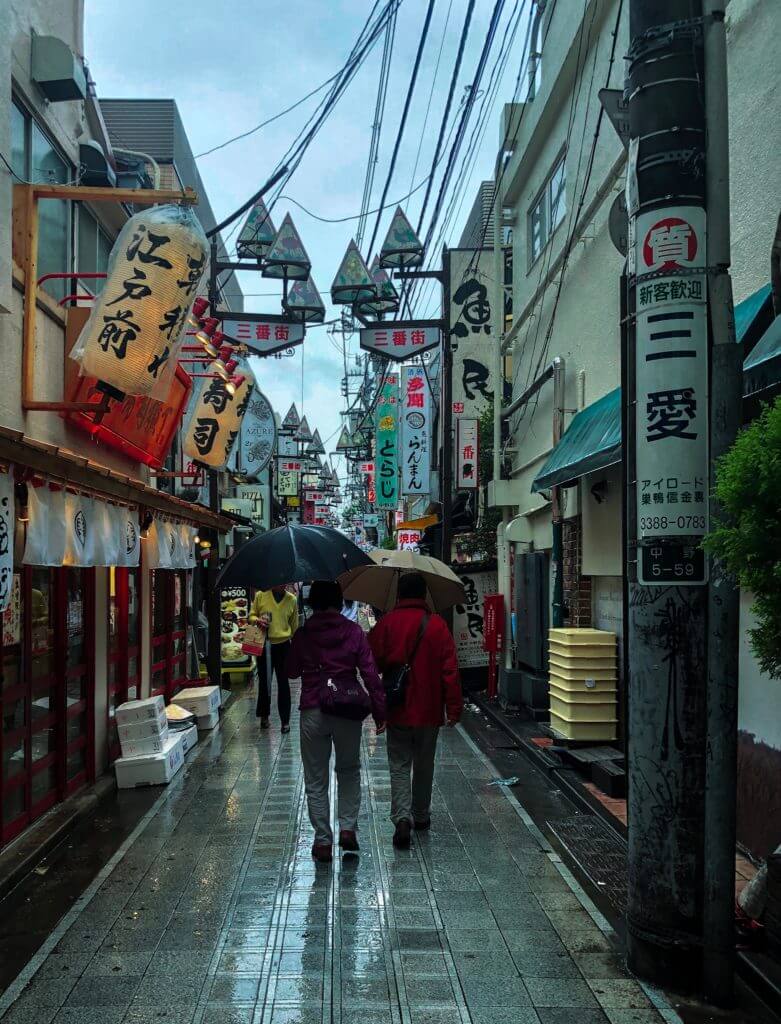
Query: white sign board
415	416
399	341
287	483
471	332
468	619
259	495
371	519
263	337
408	540
257	436
467	453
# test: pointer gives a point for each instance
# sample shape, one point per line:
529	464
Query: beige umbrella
377	584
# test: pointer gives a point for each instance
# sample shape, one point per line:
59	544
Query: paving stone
295	1015
560	992
424	965
234	988
160	1015
304	988
119	964
220	1014
167	990
430	992
620	994
487	992
562	1015
96	991
85	1015
545	963
25	1012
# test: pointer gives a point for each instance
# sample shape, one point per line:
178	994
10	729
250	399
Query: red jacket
433	682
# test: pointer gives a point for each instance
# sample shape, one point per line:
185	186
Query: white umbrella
377	584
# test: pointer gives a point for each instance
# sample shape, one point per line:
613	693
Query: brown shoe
401	837
348	841
322	853
422	826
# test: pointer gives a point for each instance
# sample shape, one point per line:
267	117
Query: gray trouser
411	751
318	733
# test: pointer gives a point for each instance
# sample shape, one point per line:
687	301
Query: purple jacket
330	640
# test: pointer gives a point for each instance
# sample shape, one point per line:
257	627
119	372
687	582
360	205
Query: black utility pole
213	608
446	469
683	403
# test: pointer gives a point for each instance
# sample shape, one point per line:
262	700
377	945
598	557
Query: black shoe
348	841
401	837
422	826
264	723
285	728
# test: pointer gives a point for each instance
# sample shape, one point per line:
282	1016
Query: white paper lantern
215	419
132	337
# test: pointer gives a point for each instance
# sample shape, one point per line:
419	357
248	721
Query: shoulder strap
421	630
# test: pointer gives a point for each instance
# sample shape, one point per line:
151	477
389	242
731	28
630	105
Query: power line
431	94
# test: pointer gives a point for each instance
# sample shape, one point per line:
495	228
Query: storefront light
234	383
199	310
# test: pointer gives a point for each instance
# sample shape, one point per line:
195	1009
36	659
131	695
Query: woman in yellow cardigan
277	611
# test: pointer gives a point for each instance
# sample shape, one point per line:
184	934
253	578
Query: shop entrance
124	646
46	693
169	631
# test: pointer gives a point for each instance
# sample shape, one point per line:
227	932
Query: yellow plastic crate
595	652
569	730
578	669
583	695
582	711
582	637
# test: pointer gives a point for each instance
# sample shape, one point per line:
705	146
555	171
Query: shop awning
592	442
747	311
762	368
417	524
67	467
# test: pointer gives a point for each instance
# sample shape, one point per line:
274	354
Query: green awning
762	368
591	442
747	310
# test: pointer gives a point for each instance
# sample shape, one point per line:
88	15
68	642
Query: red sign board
139	427
493	623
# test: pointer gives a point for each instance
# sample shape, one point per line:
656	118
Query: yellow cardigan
284	614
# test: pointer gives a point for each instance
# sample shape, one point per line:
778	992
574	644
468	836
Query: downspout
557	552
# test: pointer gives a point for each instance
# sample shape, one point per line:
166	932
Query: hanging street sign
293	466
287	484
467	453
415	430
365	467
402	339
617	109
672	394
292	419
263	334
387	446
257	437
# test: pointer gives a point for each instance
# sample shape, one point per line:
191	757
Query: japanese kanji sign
287	483
415	430
467	453
366	467
407	540
471	331
387	458
400	341
671	382
215	420
468	619
263	335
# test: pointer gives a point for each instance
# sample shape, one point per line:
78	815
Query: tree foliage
748	537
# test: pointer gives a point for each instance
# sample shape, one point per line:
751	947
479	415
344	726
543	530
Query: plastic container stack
583	680
203	702
151	754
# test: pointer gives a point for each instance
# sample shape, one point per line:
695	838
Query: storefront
123	669
169	614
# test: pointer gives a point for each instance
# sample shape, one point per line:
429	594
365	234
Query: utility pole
446	469
213	605
682	407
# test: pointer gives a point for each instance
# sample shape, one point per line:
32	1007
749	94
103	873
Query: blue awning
747	310
591	442
762	368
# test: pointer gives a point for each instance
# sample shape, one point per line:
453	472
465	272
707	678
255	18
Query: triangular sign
304	299
353	282
292	420
257	234
317	444
343	444
304	433
287	256
402	247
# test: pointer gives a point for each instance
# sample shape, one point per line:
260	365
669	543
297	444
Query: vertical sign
671	407
468	619
467	453
415	429
387	459
408	540
471	327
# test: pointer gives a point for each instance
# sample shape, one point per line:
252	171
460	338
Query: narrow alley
213	910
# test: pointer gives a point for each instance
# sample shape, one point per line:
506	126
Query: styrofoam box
137	746
201	700
141	710
151	769
206	722
189	738
150	728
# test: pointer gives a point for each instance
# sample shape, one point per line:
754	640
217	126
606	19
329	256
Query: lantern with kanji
215	419
132	337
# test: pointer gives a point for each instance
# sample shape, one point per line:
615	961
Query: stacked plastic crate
583	684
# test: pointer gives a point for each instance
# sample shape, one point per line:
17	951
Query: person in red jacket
433	696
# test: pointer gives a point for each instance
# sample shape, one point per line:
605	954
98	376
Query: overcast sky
231	66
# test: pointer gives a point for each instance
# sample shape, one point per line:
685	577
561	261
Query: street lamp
353	282
287	258
303	301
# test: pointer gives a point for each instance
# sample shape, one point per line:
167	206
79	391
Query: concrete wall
602	525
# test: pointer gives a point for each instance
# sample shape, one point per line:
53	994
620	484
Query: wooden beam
30	290
138	196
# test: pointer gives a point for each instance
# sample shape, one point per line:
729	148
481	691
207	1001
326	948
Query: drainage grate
599	854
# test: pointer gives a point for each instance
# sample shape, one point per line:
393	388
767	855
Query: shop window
547	211
34	158
124	641
169	631
46	693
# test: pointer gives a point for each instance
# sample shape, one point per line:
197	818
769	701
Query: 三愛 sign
671	391
401	340
415	420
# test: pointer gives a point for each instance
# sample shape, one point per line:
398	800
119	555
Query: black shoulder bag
396	677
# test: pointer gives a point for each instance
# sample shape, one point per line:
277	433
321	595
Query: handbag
254	640
343	698
395	678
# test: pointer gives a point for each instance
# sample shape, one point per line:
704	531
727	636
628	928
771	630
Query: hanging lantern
402	247
287	257
132	337
387	298
257	233
353	281
304	303
215	419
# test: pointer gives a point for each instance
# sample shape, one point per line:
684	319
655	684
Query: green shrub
748	537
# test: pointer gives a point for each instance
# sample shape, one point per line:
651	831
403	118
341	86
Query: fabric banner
45	544
415	431
169	545
7	523
128	536
80	530
387	447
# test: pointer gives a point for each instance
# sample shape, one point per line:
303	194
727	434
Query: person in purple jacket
330	646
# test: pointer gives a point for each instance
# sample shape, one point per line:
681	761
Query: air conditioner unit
95	168
57	70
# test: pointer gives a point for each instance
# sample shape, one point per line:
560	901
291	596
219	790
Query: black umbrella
291	554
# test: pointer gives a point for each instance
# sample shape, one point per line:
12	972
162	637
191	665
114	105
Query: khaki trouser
411	752
319	732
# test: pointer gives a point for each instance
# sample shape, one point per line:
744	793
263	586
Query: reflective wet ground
213	910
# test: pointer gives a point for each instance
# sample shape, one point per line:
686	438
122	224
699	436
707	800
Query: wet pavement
212	910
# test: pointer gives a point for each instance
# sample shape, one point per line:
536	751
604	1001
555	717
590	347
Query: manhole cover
600	855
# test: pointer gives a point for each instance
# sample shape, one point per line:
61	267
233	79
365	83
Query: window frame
543	201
